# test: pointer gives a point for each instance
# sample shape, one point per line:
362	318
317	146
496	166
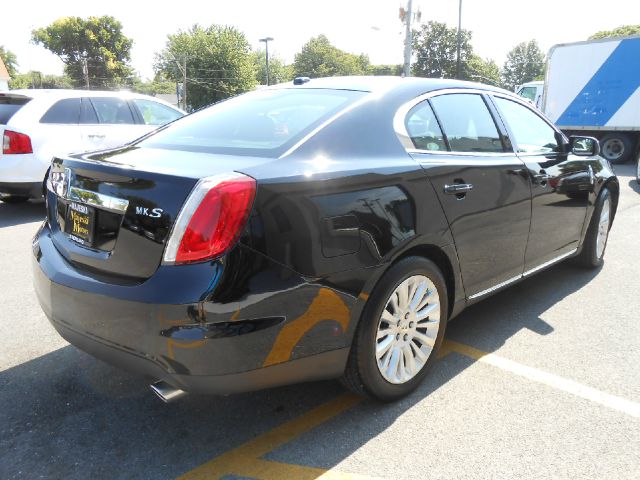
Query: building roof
4	75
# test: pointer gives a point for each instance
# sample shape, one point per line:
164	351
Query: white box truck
593	88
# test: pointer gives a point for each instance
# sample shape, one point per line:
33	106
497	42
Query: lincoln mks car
326	228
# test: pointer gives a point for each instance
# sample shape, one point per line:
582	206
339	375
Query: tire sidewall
593	250
626	142
372	378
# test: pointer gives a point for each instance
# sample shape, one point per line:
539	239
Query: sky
357	26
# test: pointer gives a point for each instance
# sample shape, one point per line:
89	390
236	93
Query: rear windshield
9	106
258	123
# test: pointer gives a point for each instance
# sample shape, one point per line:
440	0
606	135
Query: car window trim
87	101
535	111
407	143
137	114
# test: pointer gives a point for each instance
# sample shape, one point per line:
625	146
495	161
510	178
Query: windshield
258	123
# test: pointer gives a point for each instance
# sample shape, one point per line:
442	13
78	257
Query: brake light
14	142
212	218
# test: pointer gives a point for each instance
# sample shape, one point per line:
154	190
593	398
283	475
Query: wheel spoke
388	318
428	311
424	340
403	295
394	363
418	296
393	301
409	360
421	357
383	333
384	346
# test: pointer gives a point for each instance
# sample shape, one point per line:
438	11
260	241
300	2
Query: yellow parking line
270	470
610	401
245	459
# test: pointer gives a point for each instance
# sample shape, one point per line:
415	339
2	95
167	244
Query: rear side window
65	111
154	113
9	106
112	110
467	123
532	134
423	128
257	123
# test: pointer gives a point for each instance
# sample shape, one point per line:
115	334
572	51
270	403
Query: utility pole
406	71
184	82
85	72
266	41
459	39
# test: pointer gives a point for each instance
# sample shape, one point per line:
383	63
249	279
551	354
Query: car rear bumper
199	346
25	189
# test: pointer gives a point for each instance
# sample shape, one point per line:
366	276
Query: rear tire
400	331
14	199
638	169
616	147
595	241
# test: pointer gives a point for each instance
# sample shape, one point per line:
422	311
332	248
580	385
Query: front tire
400	331
638	169
595	241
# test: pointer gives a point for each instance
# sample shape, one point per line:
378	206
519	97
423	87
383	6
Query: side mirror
584	146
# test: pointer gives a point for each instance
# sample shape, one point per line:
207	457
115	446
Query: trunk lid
111	213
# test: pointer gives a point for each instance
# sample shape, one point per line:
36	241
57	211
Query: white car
36	125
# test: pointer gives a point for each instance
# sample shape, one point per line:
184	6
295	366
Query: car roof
60	93
378	84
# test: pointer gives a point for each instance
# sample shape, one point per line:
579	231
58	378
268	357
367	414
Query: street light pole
459	39
266	41
407	41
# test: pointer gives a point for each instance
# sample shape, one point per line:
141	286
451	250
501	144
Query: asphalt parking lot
539	381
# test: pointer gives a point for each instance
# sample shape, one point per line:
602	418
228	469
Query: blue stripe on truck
609	88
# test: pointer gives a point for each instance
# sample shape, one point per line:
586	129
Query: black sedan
320	229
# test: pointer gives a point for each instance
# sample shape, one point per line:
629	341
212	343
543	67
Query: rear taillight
212	218
14	142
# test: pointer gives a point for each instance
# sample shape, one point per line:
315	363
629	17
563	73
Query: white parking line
588	393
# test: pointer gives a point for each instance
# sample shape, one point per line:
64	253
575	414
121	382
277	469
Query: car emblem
60	182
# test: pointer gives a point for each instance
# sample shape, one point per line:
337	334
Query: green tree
623	31
393	70
10	61
153	87
278	71
218	63
97	42
481	70
434	46
318	58
525	62
33	79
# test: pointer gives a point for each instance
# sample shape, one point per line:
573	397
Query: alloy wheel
603	227
408	329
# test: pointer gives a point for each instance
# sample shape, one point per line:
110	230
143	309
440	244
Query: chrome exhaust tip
166	392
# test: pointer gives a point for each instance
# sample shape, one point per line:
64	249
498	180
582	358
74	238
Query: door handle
542	178
458	188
